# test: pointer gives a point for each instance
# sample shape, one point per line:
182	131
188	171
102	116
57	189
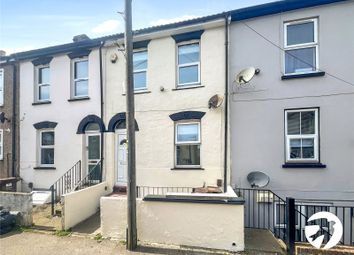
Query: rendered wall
69	147
155	138
257	112
20	202
80	205
214	226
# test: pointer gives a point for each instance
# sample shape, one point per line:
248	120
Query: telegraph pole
132	231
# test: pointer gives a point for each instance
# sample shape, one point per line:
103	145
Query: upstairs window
1	87
43	84
46	148
80	78
301	46
187	144
140	68
188	64
301	131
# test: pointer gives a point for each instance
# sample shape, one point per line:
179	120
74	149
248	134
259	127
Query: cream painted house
59	93
179	139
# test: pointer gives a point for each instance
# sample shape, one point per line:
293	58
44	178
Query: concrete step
41	197
261	241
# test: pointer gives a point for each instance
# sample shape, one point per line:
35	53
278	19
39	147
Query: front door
122	161
93	155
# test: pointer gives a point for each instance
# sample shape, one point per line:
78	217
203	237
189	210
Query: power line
280	48
286	98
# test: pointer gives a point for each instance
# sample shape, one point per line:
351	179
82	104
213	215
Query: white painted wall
155	139
212	226
80	205
68	144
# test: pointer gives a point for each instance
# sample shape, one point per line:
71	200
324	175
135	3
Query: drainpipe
14	118
226	98
102	105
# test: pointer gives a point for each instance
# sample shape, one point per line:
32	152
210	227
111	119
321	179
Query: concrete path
28	243
260	241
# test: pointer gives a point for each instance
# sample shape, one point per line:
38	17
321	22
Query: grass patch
98	237
61	233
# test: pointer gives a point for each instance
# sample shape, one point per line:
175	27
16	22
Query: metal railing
92	178
65	183
142	191
266	210
304	210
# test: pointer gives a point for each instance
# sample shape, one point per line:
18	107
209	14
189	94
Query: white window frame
1	144
38	85
302	45
73	80
180	123
142	70
314	136
45	147
2	86
188	84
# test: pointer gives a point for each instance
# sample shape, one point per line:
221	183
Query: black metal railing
304	210
65	183
142	191
92	178
266	210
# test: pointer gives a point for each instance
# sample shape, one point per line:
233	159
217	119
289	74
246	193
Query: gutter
14	118
227	18
102	104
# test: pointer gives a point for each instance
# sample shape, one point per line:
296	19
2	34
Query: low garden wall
80	205
18	202
184	222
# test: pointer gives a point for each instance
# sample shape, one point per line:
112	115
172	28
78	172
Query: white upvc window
2	87
140	64
46	147
42	88
80	80
188	64
187	144
301	46
301	133
1	144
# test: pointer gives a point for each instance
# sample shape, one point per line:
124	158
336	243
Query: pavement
34	243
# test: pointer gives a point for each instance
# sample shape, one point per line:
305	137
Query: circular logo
311	230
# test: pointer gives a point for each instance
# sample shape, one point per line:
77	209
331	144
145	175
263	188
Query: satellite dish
258	179
246	75
3	118
215	101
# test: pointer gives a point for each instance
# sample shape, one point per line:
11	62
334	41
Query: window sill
44	102
44	168
78	99
304	165
303	75
188	87
139	92
187	168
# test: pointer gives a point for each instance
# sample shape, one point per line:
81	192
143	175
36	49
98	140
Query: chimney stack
80	38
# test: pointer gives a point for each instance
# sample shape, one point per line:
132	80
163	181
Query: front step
120	189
